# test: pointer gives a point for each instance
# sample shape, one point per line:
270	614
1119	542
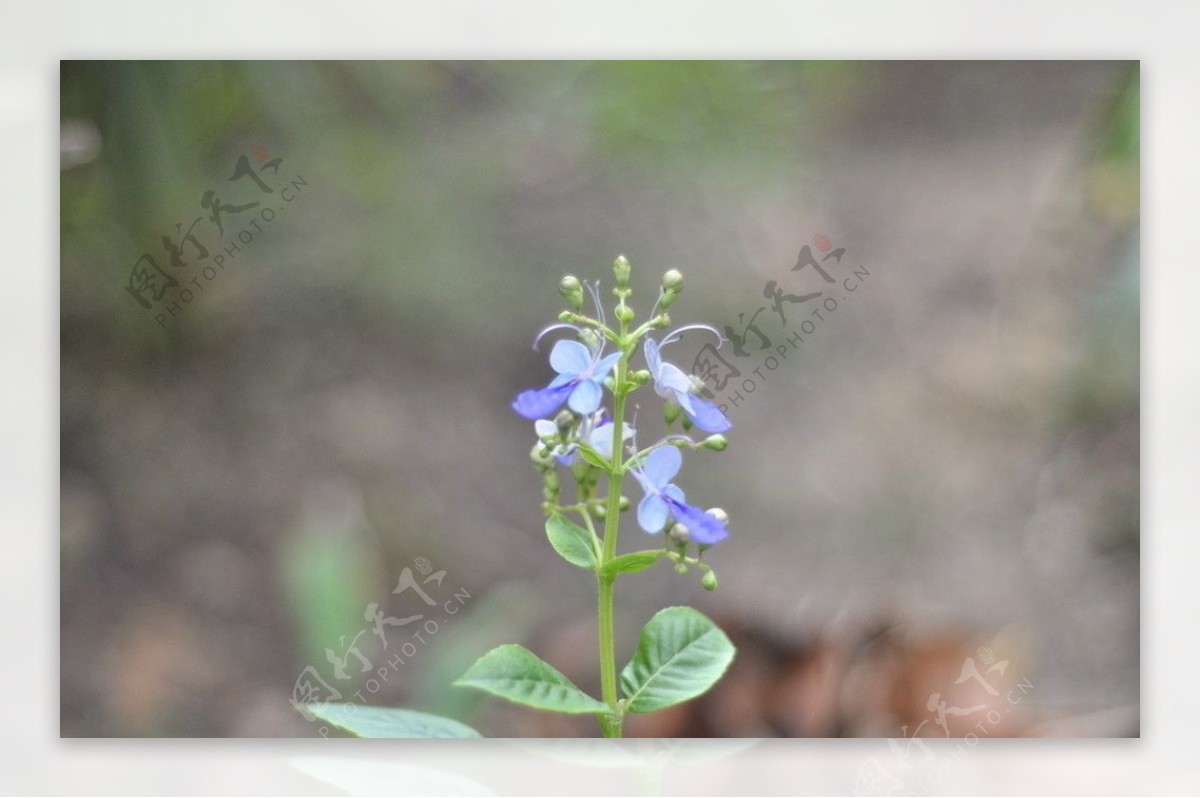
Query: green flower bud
709	581
641	376
719	514
662	321
680	568
590	338
566	316
624	503
672	281
539	457
679	534
716	442
572	291
625	314
564	421
601	511
621	270
670	412
666	298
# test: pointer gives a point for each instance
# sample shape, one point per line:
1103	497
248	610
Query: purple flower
671	383
596	429
664	499
579	382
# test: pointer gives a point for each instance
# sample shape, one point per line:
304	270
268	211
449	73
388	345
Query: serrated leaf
573	542
680	654
630	563
364	721
517	674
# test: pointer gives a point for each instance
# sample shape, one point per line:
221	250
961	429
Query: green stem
611	724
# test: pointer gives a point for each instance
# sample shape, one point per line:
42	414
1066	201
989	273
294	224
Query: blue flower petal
586	397
605	365
570	357
662	465
601	438
652	513
653	361
671	378
674	492
704	414
566	455
702	527
539	403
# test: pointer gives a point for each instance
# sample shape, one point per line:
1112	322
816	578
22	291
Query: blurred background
944	472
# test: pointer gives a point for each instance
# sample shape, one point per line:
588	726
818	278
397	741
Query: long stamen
594	290
676	335
551	329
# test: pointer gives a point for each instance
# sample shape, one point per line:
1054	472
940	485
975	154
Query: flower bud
539	459
601	511
709	580
641	376
625	314
564	421
624	503
679	534
572	291
589	338
670	412
621	271
716	442
672	281
680	568
719	514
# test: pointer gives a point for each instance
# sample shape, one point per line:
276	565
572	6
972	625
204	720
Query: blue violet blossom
665	500
672	384
596	429
579	382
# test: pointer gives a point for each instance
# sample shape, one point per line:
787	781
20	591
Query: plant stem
611	725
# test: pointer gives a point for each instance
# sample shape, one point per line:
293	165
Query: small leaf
630	563
364	721
681	654
573	542
592	457
517	674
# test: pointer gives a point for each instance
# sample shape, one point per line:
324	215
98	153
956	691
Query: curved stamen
676	335
551	329
594	291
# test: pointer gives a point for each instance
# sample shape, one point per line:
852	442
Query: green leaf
630	563
517	674
364	721
680	654
592	457
573	542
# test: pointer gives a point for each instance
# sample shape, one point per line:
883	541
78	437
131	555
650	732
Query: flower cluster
577	430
